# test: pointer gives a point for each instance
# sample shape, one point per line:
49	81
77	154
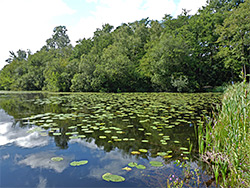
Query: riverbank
225	140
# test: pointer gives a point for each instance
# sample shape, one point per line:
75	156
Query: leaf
156	163
161	153
135	152
113	178
143	150
78	163
132	164
127	168
102	137
56	159
57	134
141	167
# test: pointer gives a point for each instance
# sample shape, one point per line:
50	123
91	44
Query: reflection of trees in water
22	105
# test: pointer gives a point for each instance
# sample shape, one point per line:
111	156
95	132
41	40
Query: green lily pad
73	137
168	156
135	152
143	150
78	163
107	132
132	164
56	159
112	178
161	153
102	137
156	163
140	167
57	134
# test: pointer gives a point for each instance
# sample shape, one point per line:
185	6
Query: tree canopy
184	54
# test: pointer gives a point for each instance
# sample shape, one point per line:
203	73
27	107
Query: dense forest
186	54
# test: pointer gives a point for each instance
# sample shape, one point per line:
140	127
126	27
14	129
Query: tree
19	55
59	39
234	40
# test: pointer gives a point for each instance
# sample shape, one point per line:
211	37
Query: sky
27	24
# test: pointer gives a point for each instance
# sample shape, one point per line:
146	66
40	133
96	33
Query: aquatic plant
112	177
225	141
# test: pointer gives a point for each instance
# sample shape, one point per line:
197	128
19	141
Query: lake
102	139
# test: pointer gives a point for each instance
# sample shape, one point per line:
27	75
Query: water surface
103	129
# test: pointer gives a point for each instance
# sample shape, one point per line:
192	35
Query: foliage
234	38
180	83
225	141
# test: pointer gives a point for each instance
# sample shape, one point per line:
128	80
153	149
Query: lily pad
78	163
57	134
135	152
102	137
156	163
168	156
143	150
162	153
112	178
56	159
127	168
132	164
141	167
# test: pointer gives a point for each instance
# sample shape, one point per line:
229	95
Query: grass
224	141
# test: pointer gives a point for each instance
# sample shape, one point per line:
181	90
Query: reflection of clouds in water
20	136
4	157
4	117
116	162
90	145
115	159
43	160
42	182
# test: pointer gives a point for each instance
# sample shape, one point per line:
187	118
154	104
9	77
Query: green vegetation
112	178
56	159
225	141
78	163
185	54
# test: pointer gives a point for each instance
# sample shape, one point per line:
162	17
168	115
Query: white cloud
116	12
27	24
43	160
20	136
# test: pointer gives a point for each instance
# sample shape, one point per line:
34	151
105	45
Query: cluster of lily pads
148	119
108	176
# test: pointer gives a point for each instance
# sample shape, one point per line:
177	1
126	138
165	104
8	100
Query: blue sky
26	24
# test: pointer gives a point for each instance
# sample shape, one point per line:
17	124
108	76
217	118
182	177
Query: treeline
185	54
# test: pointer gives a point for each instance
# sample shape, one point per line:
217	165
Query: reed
224	141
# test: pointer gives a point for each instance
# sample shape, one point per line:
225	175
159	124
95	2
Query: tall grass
224	141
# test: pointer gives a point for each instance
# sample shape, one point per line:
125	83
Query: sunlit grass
225	140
